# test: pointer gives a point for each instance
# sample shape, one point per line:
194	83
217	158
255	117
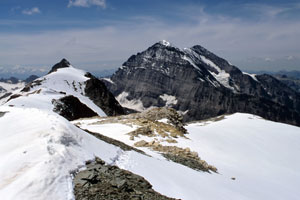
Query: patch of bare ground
149	124
104	182
179	155
163	125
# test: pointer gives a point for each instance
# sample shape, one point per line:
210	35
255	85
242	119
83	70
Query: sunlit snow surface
262	157
38	151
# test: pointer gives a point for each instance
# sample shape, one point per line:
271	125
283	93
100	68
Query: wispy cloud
31	11
87	3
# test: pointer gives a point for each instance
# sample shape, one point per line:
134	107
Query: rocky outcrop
104	182
32	85
150	124
200	85
71	108
62	64
2	114
179	155
96	90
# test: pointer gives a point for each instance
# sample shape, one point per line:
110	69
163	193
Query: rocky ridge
100	181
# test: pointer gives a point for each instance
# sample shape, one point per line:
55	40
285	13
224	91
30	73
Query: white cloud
290	58
32	11
102	46
87	3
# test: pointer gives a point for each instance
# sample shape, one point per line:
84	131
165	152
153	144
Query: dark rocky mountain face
96	90
201	85
290	81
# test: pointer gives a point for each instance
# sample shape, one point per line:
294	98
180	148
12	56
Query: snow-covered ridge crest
40	150
58	83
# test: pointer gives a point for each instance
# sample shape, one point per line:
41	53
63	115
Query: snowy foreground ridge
39	150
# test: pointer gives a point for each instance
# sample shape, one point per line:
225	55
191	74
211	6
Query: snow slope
260	155
39	150
10	87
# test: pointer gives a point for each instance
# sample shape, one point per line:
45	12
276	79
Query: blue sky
101	34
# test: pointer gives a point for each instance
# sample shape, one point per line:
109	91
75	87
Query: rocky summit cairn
62	64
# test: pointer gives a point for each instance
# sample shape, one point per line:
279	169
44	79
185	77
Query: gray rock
96	90
112	183
2	114
62	64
